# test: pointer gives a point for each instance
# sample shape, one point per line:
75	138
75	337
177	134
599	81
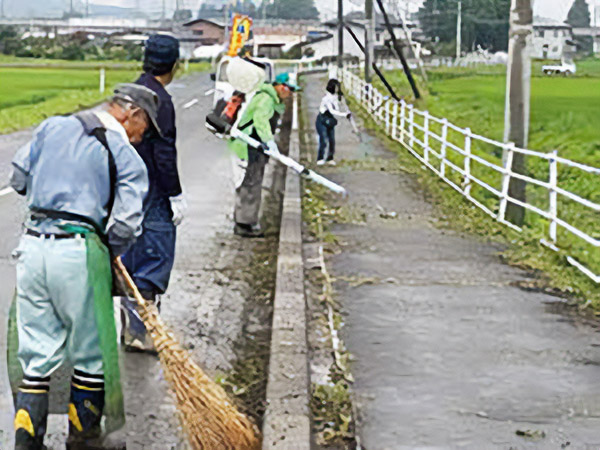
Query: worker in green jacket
259	121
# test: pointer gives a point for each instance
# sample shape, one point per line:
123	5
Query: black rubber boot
248	231
85	415
31	416
85	409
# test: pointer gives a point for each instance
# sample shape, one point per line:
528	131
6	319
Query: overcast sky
555	9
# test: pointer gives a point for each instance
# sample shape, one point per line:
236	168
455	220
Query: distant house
206	32
327	45
552	39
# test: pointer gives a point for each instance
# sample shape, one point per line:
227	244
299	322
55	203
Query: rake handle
122	271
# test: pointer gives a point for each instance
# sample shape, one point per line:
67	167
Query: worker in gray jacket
85	185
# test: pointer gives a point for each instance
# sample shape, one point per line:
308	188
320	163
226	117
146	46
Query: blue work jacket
65	169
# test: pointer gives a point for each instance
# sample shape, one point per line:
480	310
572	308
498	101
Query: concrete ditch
287	419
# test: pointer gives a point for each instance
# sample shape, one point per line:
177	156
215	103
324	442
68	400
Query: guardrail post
411	119
553	195
395	121
102	80
426	136
467	163
387	117
509	151
443	147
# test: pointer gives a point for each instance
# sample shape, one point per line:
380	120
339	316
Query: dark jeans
151	258
326	135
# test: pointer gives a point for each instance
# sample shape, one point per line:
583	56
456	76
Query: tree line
485	23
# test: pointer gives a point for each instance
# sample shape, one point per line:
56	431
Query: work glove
273	147
349	115
179	208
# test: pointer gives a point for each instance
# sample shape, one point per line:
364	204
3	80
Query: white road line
190	103
6	191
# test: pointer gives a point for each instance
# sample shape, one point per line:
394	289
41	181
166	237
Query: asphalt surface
203	308
448	353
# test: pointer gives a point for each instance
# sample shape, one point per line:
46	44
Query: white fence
463	160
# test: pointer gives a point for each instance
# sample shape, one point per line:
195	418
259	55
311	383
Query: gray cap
142	97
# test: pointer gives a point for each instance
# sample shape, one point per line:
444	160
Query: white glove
179	208
273	147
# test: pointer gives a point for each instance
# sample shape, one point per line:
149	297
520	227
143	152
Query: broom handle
122	271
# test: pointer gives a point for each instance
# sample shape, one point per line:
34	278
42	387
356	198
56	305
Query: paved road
449	355
204	312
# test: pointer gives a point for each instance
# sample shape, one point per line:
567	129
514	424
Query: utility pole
163	14
369	40
340	33
398	50
71	9
518	87
2	8
459	29
87	8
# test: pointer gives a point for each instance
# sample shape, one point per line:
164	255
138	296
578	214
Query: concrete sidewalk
449	355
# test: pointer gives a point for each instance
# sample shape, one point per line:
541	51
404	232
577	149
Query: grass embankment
564	114
28	95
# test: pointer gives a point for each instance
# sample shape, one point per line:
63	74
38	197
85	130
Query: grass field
565	113
28	95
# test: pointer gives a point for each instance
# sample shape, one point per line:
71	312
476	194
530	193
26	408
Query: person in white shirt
326	122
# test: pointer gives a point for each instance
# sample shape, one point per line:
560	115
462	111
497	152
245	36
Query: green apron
100	278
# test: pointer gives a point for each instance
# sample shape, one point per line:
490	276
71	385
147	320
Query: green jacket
258	114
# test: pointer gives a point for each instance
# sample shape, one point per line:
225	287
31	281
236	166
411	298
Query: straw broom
209	418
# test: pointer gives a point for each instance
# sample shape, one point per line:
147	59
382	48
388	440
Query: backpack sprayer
220	122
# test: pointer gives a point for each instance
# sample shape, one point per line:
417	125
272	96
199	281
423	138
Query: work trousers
55	307
326	139
249	193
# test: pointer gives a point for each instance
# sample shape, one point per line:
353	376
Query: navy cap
162	49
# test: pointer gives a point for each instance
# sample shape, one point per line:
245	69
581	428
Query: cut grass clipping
524	250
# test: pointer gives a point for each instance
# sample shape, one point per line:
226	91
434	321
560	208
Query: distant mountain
57	8
108	10
35	8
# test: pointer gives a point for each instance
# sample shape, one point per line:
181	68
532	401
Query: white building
327	45
552	39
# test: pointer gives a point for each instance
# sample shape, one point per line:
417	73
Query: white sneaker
331	162
320	162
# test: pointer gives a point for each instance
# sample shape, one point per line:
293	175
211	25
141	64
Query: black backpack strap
94	127
251	121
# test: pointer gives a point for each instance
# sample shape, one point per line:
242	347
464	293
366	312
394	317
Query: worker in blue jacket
85	186
150	260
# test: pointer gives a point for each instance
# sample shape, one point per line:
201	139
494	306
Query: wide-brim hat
244	76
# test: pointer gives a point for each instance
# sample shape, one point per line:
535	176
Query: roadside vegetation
553	273
30	91
564	114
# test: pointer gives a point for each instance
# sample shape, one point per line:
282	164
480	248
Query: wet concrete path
449	355
205	304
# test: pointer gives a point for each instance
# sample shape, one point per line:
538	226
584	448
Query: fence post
387	117
402	120
509	151
443	147
395	121
411	119
426	136
467	163
553	195
102	80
